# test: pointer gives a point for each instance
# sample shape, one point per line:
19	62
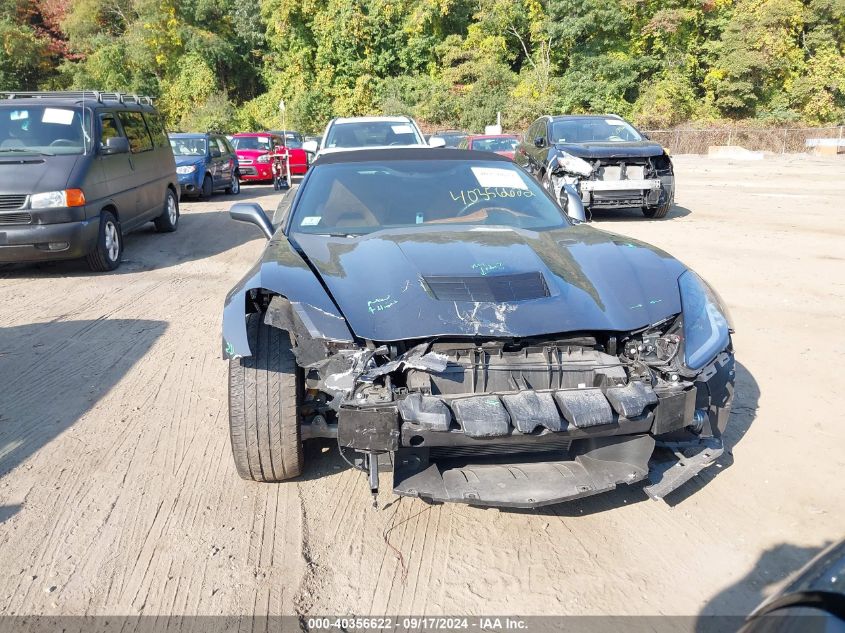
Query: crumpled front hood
595	281
639	149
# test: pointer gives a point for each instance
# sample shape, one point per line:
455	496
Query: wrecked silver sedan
436	313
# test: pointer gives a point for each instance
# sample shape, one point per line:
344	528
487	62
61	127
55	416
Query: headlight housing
574	164
264	158
186	169
54	199
706	321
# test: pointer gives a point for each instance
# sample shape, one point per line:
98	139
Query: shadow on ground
7	512
53	373
773	567
630	215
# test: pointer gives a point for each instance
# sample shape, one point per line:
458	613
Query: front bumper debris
666	476
530	448
598	465
511	424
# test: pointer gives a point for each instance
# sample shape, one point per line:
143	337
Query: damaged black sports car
601	157
436	312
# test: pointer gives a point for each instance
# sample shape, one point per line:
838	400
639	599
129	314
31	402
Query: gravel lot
118	494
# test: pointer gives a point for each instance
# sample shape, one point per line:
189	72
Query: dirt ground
118	494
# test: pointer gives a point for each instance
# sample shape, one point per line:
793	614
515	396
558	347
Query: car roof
70	102
475	137
243	134
570	117
407	153
190	134
373	119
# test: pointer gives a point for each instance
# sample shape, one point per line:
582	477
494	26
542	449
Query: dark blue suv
205	163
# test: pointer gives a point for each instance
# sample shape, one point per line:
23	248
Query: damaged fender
283	272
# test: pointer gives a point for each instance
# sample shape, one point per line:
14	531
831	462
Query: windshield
360	198
593	130
372	133
188	146
495	144
44	129
252	142
452	139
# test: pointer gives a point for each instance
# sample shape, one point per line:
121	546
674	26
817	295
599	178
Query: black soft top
407	153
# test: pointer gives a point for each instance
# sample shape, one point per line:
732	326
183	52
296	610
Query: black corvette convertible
436	312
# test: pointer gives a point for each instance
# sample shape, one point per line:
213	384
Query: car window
293	140
357	198
608	130
372	134
108	124
252	142
136	131
44	129
228	145
495	144
189	146
156	128
532	132
221	145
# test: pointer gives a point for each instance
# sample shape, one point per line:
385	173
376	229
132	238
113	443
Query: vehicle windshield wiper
25	150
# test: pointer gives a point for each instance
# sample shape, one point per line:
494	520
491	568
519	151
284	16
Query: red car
298	156
256	152
503	144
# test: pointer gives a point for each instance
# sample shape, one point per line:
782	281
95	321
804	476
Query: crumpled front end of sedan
523	422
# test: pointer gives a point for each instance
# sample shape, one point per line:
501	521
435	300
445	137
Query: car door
145	170
229	153
165	163
213	162
117	171
223	162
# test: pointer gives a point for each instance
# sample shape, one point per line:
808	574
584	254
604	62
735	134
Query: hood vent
494	288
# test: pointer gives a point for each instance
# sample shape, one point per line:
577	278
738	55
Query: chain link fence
777	140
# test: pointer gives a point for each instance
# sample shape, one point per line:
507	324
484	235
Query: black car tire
235	187
168	221
207	187
109	249
660	210
264	393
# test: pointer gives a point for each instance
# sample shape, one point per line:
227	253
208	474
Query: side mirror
115	145
436	141
310	147
254	214
539	142
215	152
